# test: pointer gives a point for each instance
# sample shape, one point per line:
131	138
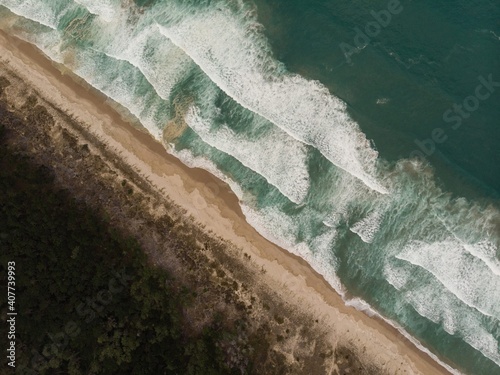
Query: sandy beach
215	207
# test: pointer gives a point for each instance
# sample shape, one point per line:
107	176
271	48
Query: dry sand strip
214	206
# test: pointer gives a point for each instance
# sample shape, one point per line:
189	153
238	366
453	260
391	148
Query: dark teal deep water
428	57
290	101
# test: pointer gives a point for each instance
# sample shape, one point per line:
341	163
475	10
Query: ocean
360	135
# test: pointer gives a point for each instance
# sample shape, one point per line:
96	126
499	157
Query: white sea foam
432	300
361	305
35	10
278	158
160	61
486	251
335	217
398	277
233	55
367	227
467	277
106	9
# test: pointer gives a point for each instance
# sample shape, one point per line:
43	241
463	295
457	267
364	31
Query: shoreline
211	202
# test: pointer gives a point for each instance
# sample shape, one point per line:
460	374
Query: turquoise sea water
362	136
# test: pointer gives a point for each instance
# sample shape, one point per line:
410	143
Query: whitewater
384	235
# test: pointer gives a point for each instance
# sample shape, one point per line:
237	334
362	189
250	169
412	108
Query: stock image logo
455	116
363	37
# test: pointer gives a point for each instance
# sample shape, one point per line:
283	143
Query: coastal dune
213	206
